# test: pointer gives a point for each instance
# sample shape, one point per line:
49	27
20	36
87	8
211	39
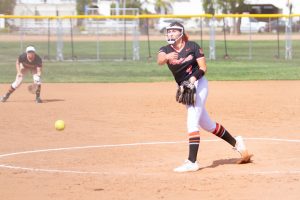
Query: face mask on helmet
169	38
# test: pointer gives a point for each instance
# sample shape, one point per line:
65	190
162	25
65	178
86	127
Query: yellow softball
59	125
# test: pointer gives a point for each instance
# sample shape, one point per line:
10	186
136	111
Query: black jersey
37	62
186	64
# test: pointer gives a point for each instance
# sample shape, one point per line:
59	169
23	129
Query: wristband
198	74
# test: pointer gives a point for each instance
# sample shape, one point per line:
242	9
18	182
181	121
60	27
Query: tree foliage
80	6
225	6
7	6
133	4
163	6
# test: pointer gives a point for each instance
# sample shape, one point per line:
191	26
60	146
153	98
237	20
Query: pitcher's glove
32	88
186	93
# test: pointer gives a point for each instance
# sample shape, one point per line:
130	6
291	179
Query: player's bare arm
202	64
162	57
18	67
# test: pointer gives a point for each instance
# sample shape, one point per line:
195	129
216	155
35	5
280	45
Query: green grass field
262	66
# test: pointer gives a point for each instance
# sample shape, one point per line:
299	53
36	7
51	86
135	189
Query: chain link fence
138	37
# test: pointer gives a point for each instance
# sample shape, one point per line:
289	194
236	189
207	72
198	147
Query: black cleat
4	98
38	100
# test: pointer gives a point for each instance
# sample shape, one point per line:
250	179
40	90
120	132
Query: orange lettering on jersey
181	60
189	69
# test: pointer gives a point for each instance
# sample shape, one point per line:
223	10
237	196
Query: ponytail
185	37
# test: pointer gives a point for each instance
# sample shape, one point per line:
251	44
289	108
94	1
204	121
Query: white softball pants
197	116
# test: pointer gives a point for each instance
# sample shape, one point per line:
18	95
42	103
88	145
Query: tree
133	4
129	4
7	6
209	6
80	6
227	7
144	9
233	6
163	6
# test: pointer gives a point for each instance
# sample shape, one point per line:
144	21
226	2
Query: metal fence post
212	45
288	40
59	44
250	41
135	43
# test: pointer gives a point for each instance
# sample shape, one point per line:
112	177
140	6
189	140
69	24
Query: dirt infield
122	141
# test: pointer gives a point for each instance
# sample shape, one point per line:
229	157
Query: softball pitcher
27	62
186	61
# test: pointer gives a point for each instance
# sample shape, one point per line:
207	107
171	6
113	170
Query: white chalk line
128	145
49	170
90	147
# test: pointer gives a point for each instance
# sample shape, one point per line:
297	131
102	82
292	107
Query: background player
186	61
28	61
